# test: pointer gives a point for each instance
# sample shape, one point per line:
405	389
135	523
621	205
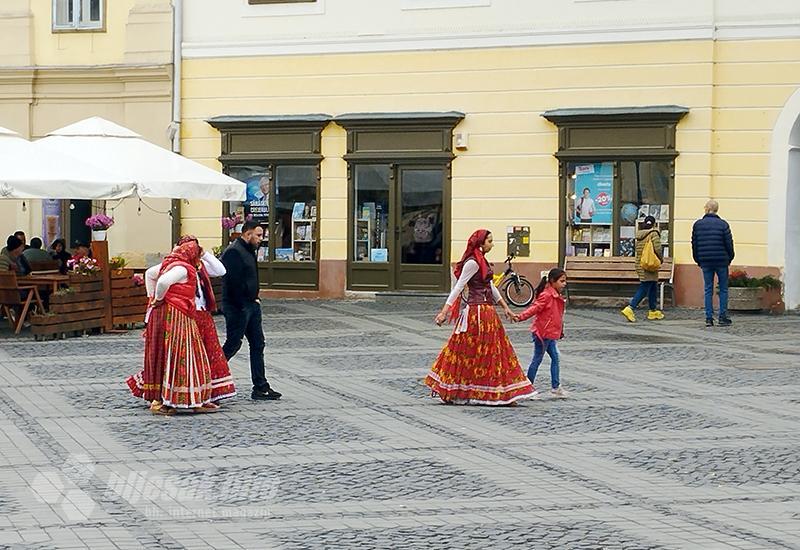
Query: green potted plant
747	293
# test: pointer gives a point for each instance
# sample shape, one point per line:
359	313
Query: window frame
77	25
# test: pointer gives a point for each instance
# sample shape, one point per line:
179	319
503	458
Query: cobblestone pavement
675	436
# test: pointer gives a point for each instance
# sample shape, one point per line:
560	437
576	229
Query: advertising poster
594	193
258	197
51	221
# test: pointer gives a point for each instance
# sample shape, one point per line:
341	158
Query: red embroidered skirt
146	383
221	379
479	366
176	367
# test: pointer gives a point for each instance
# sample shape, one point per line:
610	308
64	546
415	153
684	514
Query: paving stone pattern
233	432
586	535
347	482
674	437
603	419
739	466
735	377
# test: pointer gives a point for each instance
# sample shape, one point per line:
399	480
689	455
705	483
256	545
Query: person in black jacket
712	250
242	308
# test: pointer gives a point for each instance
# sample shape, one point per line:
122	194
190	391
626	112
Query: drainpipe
175	125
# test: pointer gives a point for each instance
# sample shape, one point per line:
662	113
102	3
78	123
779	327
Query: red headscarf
475	252
205	280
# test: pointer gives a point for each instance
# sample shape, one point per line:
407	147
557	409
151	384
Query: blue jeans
539	349
722	280
245	322
646	288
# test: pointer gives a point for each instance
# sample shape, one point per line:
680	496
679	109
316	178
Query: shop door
420	229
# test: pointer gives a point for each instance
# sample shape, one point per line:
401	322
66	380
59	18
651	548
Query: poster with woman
594	193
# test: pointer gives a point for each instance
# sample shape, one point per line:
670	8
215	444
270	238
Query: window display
371	213
607	202
292	228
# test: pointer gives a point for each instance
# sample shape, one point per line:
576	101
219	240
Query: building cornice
789	28
76	82
94	73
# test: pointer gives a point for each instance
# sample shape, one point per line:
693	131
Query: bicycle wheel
518	291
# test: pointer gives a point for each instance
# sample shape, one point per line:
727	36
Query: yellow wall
80	48
509	175
124	74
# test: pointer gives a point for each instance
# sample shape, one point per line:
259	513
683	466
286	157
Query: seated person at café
81	250
35	252
58	251
11	257
21	236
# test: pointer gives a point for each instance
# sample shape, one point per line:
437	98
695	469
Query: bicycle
516	288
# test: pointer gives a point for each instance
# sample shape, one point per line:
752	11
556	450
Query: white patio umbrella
157	172
27	172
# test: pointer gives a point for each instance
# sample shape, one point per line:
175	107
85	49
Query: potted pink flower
99	224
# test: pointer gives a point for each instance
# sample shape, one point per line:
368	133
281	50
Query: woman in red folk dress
177	372
222	385
477	366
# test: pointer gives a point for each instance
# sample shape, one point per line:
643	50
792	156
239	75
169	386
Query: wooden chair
45	266
13	296
601	270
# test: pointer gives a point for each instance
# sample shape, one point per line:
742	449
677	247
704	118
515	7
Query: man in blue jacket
242	308
712	250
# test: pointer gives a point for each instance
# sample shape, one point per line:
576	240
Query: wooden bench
45	266
594	270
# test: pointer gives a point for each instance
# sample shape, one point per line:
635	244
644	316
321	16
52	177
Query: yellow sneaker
655	315
628	314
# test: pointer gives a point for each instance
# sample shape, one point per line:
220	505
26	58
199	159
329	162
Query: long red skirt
176	367
221	379
479	366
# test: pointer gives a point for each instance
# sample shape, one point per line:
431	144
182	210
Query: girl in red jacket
548	328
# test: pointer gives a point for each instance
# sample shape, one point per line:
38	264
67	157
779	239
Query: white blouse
158	286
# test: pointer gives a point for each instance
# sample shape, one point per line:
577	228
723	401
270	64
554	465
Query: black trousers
245	322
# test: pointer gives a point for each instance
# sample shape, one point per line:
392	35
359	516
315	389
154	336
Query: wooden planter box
81	309
128	301
745	299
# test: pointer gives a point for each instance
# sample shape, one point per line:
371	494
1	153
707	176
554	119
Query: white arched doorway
784	199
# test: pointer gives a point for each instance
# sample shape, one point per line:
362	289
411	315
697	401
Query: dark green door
420	229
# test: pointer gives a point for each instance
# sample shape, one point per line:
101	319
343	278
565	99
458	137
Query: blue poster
258	197
594	193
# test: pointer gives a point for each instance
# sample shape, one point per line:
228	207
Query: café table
44	280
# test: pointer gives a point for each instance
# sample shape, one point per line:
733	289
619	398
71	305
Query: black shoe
710	322
725	322
269	395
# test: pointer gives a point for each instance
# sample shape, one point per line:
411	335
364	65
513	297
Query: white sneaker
559	393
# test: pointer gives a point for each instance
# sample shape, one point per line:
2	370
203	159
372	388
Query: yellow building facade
117	66
734	144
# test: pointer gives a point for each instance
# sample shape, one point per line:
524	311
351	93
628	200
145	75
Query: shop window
292	231
616	168
295	213
645	189
78	15
370	219
608	201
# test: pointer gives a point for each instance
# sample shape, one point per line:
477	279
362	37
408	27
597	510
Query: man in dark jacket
242	308
712	250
